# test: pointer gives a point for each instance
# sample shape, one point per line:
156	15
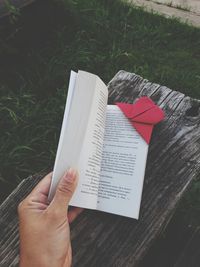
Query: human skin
44	227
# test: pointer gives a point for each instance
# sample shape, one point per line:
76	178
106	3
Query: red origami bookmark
143	114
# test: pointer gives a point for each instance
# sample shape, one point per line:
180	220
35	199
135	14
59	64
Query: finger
73	214
64	192
40	192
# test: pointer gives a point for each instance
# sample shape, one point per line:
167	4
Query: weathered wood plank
101	239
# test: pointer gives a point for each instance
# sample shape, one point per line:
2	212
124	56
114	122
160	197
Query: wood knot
193	111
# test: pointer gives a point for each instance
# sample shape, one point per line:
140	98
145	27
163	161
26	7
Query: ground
186	10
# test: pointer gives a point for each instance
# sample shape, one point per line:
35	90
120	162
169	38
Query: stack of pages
101	143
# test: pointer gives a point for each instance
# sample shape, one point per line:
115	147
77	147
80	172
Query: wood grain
101	239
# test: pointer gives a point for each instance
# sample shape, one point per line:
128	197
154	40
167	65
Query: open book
99	141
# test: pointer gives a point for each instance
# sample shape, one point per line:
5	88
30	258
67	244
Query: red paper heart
143	114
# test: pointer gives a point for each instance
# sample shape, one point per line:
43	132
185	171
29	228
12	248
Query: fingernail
71	175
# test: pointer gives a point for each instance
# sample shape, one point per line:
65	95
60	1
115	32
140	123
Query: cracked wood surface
101	239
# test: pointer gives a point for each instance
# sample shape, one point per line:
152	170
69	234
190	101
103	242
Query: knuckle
66	188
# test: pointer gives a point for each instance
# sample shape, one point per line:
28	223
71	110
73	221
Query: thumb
64	191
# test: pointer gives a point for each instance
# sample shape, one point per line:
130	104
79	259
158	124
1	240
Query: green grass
48	39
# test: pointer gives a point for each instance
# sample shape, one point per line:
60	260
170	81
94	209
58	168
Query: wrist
39	261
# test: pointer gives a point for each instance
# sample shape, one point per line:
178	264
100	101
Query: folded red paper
143	114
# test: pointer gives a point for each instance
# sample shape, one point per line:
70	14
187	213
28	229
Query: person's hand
44	228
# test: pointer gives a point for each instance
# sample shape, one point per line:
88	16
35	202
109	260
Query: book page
58	168
122	167
81	140
89	164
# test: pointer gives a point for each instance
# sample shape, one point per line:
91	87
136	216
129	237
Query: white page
89	164
74	128
84	118
123	166
72	82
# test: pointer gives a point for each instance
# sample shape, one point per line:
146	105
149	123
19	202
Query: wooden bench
101	239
